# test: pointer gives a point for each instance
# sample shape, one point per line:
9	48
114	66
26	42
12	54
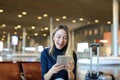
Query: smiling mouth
60	44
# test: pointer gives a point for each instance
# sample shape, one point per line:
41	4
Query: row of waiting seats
20	71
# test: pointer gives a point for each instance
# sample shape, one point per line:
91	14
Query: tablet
62	59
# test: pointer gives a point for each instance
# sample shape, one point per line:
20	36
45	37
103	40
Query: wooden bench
32	70
9	71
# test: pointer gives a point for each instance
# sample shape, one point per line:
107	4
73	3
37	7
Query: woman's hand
69	66
55	69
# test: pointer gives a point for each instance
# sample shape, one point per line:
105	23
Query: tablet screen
62	59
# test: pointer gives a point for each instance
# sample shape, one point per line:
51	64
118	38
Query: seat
32	70
9	71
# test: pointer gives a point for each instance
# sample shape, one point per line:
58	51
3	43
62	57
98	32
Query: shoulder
45	51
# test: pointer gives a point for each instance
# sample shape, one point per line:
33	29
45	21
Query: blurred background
26	25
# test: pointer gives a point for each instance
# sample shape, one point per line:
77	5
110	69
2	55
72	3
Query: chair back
32	70
9	71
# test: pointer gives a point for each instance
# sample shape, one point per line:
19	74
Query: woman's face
60	38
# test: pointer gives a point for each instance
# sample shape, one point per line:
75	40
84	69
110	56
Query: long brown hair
68	49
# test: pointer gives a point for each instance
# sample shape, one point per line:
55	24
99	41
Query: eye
58	36
65	37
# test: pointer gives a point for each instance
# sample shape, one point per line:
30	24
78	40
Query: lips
60	45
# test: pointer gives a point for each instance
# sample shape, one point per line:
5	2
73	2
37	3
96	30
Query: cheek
65	41
54	40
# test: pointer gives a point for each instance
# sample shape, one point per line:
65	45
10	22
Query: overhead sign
14	40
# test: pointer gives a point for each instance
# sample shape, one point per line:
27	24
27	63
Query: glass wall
95	33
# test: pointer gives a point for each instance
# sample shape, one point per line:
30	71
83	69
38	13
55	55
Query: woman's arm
71	68
71	75
55	69
47	76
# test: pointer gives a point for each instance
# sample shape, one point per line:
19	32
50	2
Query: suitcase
97	75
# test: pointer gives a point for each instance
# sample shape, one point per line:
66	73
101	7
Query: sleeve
75	63
44	62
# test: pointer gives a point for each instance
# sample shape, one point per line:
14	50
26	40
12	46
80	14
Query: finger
58	69
56	65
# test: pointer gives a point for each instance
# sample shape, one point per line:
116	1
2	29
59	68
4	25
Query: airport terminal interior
26	27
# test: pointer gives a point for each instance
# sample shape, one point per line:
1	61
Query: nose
61	39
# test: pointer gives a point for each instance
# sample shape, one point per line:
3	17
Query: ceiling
89	10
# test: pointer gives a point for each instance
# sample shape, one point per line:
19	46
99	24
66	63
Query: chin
59	47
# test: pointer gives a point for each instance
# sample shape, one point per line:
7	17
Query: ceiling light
15	32
24	13
81	19
15	27
21	37
36	34
88	22
108	22
28	37
3	25
2	39
19	15
45	15
74	21
39	17
3	36
4	32
33	27
64	17
18	26
96	21
1	10
26	33
42	29
46	28
57	19
44	34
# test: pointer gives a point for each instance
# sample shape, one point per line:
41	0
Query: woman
61	45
